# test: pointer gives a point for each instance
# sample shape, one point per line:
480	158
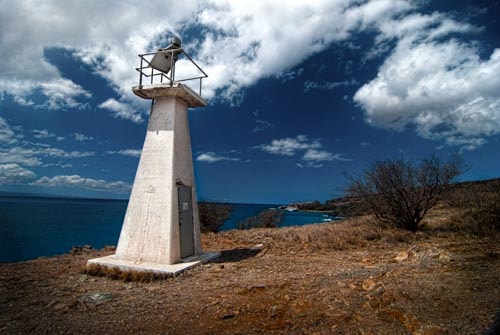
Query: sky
301	93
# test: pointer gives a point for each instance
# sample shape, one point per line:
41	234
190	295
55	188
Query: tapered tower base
161	229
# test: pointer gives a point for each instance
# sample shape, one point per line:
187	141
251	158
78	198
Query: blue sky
300	93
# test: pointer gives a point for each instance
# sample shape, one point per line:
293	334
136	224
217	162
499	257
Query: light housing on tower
159	68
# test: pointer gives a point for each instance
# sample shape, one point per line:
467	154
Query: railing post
140	73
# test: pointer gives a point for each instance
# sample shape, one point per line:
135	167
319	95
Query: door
186	230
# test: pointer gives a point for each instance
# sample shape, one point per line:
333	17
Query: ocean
31	227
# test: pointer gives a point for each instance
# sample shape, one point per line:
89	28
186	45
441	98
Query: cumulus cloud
312	149
25	153
59	93
212	157
111	46
122	110
443	89
126	152
289	146
451	95
8	135
12	174
86	183
434	82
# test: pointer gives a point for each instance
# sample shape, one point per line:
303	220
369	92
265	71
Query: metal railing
154	76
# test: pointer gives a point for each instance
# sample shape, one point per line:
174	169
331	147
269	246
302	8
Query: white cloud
264	40
261	125
242	43
12	174
313	152
289	75
60	93
81	137
58	164
122	110
126	152
443	89
212	157
328	85
30	156
42	134
322	155
86	183
289	146
317	155
8	135
26	153
19	155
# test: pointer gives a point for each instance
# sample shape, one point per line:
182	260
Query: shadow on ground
236	255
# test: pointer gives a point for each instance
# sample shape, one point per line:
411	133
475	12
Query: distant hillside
350	206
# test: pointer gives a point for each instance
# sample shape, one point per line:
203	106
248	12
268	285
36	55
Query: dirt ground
428	285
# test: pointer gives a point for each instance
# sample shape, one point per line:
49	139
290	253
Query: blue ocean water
31	227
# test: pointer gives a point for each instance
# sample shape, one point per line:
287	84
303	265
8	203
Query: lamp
165	58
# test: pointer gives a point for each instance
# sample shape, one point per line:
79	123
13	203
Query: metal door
185	221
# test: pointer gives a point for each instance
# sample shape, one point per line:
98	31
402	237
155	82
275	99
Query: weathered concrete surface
150	233
172	269
177	90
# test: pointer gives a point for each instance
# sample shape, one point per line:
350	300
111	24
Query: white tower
161	229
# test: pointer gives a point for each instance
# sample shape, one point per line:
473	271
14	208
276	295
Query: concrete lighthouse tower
161	229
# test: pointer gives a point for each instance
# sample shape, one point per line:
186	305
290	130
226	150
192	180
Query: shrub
478	210
401	192
212	215
270	218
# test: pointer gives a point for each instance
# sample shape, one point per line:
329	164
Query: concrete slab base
173	269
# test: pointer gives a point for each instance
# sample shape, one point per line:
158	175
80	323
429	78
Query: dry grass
127	276
343	235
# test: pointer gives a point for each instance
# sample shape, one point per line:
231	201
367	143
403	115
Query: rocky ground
271	282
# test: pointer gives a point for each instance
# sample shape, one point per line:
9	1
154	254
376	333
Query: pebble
368	284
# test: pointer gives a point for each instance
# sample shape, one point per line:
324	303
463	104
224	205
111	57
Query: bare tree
212	215
401	192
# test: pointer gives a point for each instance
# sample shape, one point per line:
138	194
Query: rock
96	297
226	316
273	312
368	284
403	255
387	297
52	303
256	286
60	306
444	257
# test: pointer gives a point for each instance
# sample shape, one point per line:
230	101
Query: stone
96	297
403	255
368	284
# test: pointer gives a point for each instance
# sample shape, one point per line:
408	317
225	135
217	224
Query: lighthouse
161	228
